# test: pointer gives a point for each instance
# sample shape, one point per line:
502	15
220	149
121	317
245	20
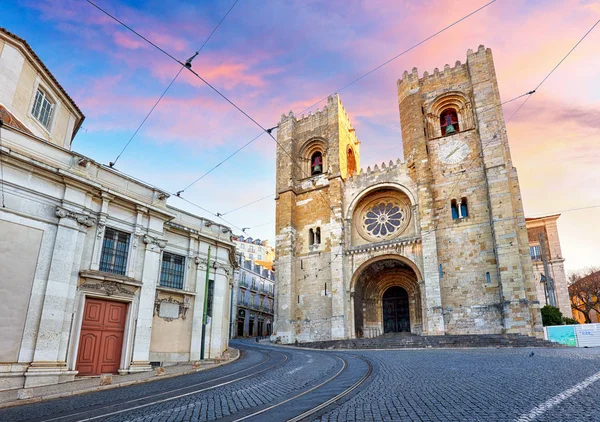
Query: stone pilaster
49	364
198	311
143	329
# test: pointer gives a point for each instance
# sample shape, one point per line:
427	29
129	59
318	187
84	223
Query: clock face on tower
453	152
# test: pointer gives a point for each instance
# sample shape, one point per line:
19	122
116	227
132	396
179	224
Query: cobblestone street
277	384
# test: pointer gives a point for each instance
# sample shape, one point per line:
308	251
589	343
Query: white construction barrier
584	335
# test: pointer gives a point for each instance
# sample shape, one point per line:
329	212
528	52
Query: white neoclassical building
97	273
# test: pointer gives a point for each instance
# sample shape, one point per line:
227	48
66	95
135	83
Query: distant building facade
253	300
255	250
545	230
435	244
99	274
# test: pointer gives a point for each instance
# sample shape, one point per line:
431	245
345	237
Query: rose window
384	219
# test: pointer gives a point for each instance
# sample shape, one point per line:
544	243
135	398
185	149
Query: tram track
193	387
300	391
262	414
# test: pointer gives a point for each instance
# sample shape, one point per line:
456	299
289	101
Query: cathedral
433	244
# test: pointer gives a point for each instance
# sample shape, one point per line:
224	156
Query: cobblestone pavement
405	385
477	385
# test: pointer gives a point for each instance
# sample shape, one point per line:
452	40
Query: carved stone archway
371	282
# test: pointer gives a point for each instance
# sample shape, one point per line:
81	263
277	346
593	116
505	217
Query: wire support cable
401	54
359	78
182	64
219	164
503	126
483	111
188	62
246	205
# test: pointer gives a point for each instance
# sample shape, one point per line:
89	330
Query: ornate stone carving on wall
150	240
226	268
171	309
108	287
382	216
82	219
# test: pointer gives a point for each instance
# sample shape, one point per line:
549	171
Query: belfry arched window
316	163
351	162
449	122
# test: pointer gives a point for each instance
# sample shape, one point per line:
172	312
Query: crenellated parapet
378	170
449	76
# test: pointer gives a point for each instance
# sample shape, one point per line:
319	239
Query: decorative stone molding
150	240
383	246
108	287
225	267
100	231
82	219
168	305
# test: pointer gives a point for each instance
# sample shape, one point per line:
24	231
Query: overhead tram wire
188	62
401	54
503	127
347	85
490	108
221	162
351	83
237	107
247	205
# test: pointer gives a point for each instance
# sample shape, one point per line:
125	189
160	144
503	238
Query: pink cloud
128	41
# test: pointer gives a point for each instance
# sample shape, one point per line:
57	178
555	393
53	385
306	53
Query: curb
112	386
290	346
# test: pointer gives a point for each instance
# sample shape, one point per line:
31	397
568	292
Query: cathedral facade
433	244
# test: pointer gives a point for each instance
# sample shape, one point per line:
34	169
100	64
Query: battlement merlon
391	166
410	81
320	116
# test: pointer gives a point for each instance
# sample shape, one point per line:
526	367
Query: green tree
551	316
584	291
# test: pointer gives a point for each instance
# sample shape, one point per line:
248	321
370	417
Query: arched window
318	236
454	208
449	122
351	162
316	163
464	209
311	237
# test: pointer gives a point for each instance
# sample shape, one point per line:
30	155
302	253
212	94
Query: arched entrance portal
387	298
396	313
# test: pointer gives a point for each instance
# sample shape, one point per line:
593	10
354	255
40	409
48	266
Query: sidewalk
83	385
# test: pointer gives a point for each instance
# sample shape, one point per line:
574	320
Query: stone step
404	340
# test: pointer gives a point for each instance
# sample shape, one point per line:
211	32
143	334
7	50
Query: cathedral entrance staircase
411	341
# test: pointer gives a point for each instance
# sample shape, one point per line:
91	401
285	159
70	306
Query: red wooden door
101	337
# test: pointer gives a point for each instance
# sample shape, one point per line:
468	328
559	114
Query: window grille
115	249
42	108
172	270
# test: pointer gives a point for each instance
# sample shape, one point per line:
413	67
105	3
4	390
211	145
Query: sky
270	57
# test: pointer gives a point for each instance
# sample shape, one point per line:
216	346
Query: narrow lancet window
454	208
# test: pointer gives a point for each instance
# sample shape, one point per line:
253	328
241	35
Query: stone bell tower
456	150
316	153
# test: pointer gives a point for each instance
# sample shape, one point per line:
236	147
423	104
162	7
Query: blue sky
271	56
